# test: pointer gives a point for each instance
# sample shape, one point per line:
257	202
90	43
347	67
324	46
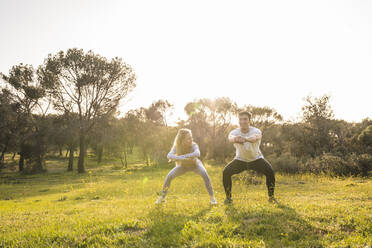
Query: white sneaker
160	200
213	201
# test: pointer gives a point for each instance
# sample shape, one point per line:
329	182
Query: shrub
332	165
364	163
284	163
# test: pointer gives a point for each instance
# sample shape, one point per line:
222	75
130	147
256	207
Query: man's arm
257	135
253	138
235	138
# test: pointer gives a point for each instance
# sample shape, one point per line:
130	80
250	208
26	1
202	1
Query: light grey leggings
180	170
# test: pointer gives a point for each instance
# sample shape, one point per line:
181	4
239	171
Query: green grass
112	207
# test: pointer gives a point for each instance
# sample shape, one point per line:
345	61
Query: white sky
263	53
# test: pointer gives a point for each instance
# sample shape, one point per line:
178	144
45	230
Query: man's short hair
245	113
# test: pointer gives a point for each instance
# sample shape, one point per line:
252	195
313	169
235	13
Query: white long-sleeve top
248	151
178	158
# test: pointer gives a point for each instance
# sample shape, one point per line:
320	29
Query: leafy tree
65	132
9	126
318	115
365	136
30	96
87	84
210	121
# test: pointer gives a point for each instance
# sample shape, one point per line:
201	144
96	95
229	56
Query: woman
186	152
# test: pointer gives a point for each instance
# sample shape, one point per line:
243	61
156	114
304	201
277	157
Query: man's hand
239	139
253	138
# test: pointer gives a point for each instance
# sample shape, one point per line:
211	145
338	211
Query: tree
210	121
198	122
65	132
317	109
222	111
102	134
87	84
118	145
318	116
365	136
263	116
30	96
147	128
160	139
132	125
146	133
8	124
159	111
117	140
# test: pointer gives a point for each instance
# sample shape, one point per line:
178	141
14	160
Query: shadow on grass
165	229
49	183
281	226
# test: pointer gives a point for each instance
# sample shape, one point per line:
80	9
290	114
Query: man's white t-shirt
247	151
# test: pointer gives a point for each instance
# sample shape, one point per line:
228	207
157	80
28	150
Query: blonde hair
179	141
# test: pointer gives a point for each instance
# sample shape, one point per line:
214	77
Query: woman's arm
172	155
194	154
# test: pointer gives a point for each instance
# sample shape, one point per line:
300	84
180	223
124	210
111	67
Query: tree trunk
67	152
71	160
131	148
2	158
125	157
38	164
14	154
81	168
146	157
4	151
60	151
3	155
121	161
125	163
99	153
21	161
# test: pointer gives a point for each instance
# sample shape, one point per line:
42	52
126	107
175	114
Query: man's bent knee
226	171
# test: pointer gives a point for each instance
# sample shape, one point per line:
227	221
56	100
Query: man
247	140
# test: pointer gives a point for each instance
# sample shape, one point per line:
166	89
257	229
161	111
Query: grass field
112	207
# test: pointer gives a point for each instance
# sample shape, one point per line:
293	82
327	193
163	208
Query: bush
284	163
364	163
334	165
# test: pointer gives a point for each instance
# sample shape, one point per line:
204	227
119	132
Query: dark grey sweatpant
237	166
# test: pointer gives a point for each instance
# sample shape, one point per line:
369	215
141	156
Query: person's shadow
278	227
166	225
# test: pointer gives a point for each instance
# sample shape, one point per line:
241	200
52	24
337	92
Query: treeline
70	103
64	98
